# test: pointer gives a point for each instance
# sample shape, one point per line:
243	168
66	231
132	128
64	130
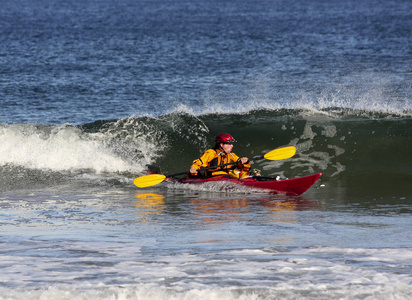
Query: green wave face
355	150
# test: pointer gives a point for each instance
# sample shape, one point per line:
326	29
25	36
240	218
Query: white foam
58	148
138	270
216	187
366	91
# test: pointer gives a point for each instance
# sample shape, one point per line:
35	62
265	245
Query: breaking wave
340	143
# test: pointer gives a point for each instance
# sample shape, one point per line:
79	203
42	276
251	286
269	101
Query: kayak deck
293	186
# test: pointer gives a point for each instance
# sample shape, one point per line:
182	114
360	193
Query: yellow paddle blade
148	180
281	153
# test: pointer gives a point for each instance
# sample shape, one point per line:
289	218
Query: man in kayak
219	155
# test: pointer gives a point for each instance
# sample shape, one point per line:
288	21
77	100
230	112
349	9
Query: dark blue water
92	91
82	61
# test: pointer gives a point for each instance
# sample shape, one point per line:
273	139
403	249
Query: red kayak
294	186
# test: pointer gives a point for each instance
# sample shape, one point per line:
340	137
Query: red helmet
224	138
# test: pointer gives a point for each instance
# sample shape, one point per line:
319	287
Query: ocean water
93	91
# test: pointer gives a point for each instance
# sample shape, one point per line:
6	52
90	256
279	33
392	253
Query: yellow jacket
215	157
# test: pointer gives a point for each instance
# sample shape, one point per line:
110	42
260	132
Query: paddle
153	179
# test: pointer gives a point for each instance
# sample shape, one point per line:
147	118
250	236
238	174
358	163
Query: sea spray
57	148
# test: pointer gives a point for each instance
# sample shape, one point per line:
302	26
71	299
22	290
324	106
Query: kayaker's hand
193	171
244	160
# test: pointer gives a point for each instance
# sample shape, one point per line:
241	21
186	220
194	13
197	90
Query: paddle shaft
218	166
152	179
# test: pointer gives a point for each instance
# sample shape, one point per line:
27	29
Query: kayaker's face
227	147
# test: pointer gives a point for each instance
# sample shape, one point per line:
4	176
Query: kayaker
218	155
